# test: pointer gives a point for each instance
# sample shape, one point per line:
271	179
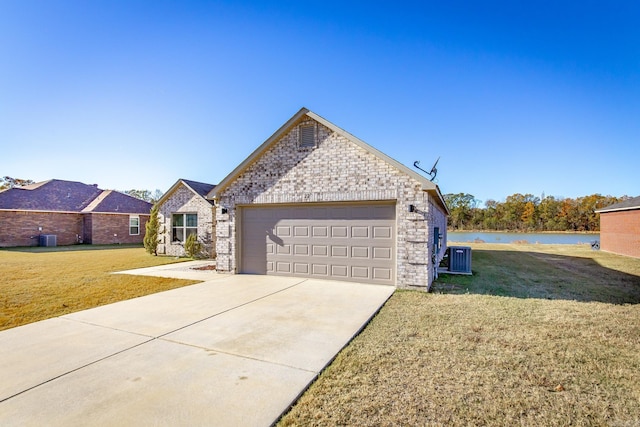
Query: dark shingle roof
52	195
116	202
199	187
69	196
629	204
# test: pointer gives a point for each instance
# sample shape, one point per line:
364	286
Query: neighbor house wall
107	228
20	228
620	232
337	170
183	200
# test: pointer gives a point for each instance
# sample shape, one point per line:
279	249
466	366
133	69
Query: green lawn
40	283
539	335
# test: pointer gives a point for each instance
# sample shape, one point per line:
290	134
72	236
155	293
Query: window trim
136	217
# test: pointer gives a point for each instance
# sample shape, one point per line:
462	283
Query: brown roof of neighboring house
629	204
115	202
57	195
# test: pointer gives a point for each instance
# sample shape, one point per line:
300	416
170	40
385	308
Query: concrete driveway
234	350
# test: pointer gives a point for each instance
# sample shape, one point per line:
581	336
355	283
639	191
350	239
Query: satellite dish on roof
432	173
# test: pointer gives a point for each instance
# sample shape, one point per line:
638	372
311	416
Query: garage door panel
339	231
283	267
301	249
301	231
360	272
301	268
380	232
320	269
339	271
359	231
343	242
382	253
320	250
382	273
359	252
283	249
339	251
283	231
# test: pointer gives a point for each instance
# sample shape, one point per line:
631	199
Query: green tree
460	206
146	195
151	232
8	182
548	214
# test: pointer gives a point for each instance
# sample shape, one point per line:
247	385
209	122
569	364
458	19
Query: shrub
192	246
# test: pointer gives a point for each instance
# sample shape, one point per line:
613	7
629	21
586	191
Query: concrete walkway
234	350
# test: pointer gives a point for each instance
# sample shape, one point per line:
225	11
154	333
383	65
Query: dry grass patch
483	360
572	272
37	285
568	356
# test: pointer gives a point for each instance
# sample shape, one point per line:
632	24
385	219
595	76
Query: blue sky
513	97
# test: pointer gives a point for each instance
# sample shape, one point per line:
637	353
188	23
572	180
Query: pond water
543	238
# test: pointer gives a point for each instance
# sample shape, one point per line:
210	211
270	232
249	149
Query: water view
543	238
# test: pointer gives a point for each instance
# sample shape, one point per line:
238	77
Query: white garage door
352	242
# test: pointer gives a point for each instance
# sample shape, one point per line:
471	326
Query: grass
40	283
539	335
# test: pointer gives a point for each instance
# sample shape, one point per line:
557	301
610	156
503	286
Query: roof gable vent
307	135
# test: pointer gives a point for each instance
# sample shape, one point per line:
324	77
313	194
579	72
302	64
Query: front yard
540	335
40	283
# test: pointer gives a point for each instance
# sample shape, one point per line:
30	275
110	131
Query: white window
134	225
183	225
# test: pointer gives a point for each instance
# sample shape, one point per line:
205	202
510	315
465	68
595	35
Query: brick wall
334	171
183	200
107	229
20	228
620	232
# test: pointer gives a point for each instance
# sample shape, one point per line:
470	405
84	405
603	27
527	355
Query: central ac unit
48	240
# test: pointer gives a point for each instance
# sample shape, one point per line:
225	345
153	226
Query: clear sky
514	97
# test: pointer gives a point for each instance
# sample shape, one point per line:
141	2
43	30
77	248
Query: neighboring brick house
620	228
72	211
184	210
315	201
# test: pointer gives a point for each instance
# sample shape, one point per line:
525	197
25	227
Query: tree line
525	212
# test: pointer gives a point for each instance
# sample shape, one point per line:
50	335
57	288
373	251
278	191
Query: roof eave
628	208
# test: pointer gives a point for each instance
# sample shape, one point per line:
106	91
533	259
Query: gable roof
56	195
427	185
110	201
199	188
629	204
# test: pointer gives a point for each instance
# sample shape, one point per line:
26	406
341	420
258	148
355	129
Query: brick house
620	228
72	211
184	210
315	201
